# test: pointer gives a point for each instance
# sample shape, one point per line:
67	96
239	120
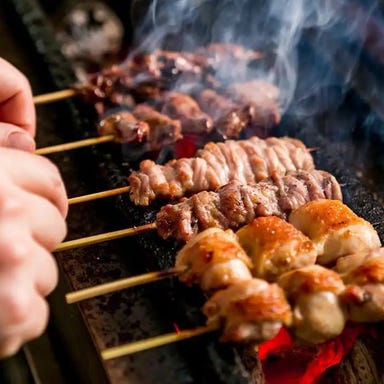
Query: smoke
301	40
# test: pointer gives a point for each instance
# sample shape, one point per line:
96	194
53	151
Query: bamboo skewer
75	145
130	348
129	282
55	96
98	195
95	239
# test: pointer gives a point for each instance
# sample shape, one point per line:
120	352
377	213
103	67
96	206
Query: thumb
12	136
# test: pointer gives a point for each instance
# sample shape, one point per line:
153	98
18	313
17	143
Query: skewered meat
251	310
236	204
125	127
230	118
247	161
148	131
275	247
235	113
183	107
313	293
363	297
214	259
334	228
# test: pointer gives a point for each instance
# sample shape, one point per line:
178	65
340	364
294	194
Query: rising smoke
302	40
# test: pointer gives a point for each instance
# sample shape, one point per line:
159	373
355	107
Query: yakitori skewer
95	239
75	145
142	345
146	74
229	260
313	291
55	96
120	284
261	239
232	206
97	195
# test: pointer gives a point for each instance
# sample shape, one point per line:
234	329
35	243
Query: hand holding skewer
32	217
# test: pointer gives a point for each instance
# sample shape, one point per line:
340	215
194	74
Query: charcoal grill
76	334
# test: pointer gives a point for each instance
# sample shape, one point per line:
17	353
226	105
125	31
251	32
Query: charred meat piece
247	161
229	117
110	87
125	127
214	259
251	310
335	229
235	204
275	246
313	293
164	130
183	107
252	105
363	297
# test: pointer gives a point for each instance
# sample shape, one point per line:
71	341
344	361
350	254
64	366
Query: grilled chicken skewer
251	309
215	258
247	161
232	206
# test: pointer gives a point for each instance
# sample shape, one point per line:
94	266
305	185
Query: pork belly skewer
247	161
335	229
231	206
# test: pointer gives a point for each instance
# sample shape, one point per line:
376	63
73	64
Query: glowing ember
285	361
177	329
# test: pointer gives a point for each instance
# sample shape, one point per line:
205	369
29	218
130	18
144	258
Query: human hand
33	207
17	110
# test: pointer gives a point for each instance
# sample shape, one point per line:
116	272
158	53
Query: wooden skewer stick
98	195
95	239
55	96
129	282
127	349
75	145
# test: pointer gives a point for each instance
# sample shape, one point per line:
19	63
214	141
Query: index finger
16	101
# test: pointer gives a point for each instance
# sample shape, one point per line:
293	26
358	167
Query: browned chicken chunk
314	293
364	295
275	246
214	259
334	228
250	310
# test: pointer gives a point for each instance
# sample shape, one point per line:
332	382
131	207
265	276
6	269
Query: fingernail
22	141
